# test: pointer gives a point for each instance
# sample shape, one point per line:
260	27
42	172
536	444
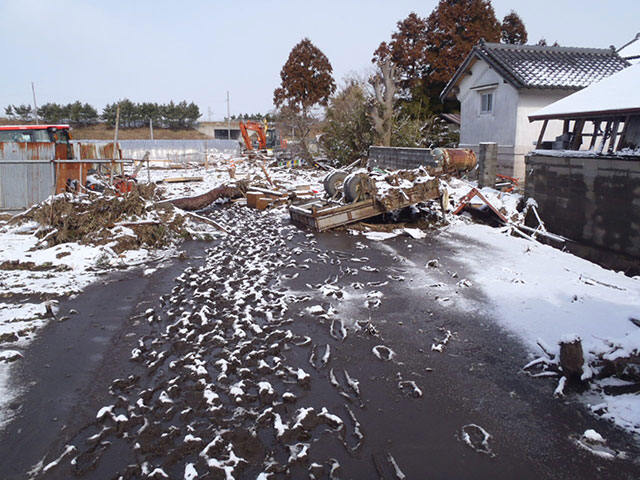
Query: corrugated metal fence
26	174
175	151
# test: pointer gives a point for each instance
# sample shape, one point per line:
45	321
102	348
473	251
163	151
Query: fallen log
201	201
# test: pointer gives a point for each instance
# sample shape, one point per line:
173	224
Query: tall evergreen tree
407	51
513	29
306	81
453	28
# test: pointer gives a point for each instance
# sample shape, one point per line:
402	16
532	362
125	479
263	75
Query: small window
486	105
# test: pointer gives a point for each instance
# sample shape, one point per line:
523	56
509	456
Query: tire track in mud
219	387
279	358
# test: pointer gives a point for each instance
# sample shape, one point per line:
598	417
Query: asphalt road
294	355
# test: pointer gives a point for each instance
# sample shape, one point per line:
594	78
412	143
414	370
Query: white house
500	85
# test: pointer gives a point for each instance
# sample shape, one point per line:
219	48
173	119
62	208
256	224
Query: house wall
498	126
508	124
588	199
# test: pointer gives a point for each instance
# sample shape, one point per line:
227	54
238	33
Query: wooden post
541	136
596	129
623	140
614	136
577	135
605	135
115	144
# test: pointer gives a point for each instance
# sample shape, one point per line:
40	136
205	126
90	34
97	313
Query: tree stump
571	357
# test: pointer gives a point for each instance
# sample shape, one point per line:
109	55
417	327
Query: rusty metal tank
455	159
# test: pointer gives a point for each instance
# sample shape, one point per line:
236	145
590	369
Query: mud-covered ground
279	353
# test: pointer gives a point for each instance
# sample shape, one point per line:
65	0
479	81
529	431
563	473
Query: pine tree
513	29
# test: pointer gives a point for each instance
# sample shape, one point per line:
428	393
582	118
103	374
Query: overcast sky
196	50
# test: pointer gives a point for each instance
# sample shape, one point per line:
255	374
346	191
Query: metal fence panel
24	183
27	151
173	149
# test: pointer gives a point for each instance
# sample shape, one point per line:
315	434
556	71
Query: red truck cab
35	133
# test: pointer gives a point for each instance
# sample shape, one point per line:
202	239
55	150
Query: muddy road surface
279	353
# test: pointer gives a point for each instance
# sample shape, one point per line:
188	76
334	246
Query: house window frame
491	102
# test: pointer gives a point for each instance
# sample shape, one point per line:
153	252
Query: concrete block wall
593	200
398	158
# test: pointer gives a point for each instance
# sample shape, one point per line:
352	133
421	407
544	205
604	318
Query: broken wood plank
182	179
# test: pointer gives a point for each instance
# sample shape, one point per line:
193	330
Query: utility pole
115	144
35	105
210	112
151	127
228	118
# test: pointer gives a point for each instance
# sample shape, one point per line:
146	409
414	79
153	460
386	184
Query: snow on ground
541	293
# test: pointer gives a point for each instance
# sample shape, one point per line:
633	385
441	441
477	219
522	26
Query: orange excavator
267	138
256	127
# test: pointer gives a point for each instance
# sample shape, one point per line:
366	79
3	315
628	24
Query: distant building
220	130
500	85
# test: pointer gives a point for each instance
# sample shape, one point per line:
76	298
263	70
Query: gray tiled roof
534	66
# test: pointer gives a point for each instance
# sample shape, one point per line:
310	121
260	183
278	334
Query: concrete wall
219	131
594	200
498	126
529	102
399	158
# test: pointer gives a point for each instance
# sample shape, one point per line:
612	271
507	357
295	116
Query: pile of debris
121	222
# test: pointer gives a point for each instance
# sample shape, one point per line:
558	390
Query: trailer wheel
357	186
333	181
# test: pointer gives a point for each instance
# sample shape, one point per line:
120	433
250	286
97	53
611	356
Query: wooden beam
605	134
596	130
577	135
623	140
614	135
541	136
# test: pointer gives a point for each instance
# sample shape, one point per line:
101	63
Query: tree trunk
571	358
201	201
384	89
